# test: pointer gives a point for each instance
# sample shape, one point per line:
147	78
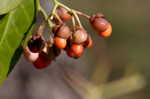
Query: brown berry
100	24
62	31
60	42
107	32
63	14
79	36
97	15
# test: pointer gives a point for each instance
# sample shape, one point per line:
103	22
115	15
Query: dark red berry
36	43
42	62
63	14
60	42
79	36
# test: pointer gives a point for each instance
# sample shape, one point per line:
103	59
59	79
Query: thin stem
77	18
83	14
73	22
58	18
64	6
44	13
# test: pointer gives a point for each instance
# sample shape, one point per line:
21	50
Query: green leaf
12	31
19	50
7	5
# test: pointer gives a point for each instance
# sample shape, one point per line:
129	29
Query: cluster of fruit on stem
73	39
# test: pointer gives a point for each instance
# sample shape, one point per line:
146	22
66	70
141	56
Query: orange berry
107	32
63	14
76	50
60	42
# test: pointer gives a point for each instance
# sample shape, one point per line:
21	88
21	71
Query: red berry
76	50
79	36
60	42
42	62
63	14
36	43
107	32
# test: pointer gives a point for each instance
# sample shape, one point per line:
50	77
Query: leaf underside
13	27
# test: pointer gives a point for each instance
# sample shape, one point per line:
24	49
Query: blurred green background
125	53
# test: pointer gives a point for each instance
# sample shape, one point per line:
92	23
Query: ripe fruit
79	36
76	50
60	42
62	31
36	43
42	62
88	43
29	55
63	14
100	24
107	32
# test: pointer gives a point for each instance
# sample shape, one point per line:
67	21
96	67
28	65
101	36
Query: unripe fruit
63	14
30	56
88	43
36	43
62	31
100	24
60	42
42	62
107	32
76	50
79	36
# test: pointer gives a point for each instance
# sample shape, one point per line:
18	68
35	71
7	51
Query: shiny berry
30	56
62	30
63	14
42	62
107	32
76	50
36	43
79	36
60	42
88	43
100	24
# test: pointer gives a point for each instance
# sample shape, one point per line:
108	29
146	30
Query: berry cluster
73	39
